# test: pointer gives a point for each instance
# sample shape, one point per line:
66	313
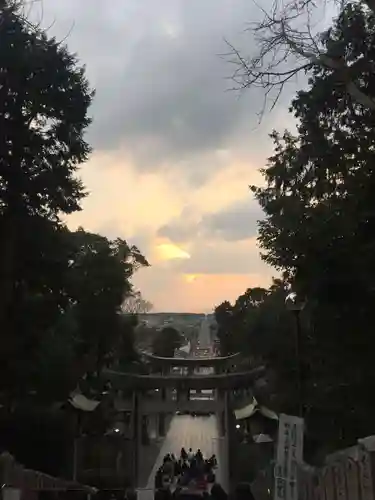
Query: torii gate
151	394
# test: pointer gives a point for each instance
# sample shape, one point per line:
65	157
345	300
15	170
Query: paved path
188	432
204	334
191	432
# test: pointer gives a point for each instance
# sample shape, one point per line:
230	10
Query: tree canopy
166	342
61	292
319	230
44	100
259	326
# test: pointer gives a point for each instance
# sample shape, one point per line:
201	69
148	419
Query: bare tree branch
285	49
24	9
136	304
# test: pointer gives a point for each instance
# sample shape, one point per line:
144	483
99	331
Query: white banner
289	456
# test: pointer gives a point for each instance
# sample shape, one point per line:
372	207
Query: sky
174	148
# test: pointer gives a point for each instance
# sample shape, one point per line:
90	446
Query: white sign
289	456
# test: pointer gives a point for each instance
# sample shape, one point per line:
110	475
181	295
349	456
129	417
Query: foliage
39	439
166	342
96	282
258	326
44	99
60	292
225	319
319	228
136	304
145	335
100	270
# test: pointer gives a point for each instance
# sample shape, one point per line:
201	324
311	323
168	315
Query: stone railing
30	482
347	475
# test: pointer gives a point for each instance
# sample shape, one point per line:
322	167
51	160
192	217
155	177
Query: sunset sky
174	150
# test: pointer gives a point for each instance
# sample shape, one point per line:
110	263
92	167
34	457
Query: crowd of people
190	475
189	470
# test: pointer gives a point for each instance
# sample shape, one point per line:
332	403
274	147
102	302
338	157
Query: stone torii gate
166	392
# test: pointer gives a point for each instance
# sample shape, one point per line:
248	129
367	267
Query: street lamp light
296	305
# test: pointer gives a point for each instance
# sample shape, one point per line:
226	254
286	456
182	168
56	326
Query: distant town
187	324
166	319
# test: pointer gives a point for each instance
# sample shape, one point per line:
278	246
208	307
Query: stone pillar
226	414
227	439
220	413
190	372
163	393
153	426
145	433
179	395
136	434
222	423
161	425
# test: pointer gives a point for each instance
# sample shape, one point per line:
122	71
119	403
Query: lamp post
295	305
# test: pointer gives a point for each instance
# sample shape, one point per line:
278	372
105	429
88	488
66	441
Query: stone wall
32	484
346	475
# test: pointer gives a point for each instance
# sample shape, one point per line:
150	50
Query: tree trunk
7	262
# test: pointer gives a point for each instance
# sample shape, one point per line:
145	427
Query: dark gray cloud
161	85
178	231
182	228
235	222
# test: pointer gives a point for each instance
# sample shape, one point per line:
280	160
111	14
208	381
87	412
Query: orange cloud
122	196
190	278
200	293
169	251
126	203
